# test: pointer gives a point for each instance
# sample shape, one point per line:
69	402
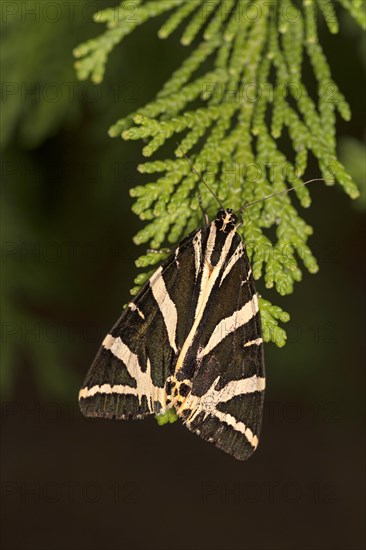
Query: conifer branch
231	122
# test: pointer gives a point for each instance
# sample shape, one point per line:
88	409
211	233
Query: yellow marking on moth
177	401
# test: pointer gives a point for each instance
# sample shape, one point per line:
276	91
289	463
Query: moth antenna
195	171
246	205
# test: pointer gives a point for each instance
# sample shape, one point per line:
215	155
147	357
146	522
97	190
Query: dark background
68	262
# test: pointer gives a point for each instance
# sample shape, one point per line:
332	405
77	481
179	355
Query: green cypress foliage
232	121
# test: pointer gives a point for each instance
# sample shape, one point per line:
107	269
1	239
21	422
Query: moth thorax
225	220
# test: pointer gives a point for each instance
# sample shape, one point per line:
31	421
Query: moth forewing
190	341
225	360
128	376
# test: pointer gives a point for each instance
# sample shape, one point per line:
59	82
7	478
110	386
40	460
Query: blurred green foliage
59	171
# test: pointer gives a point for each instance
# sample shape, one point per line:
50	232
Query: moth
190	342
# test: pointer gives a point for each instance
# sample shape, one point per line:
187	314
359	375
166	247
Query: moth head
226	220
